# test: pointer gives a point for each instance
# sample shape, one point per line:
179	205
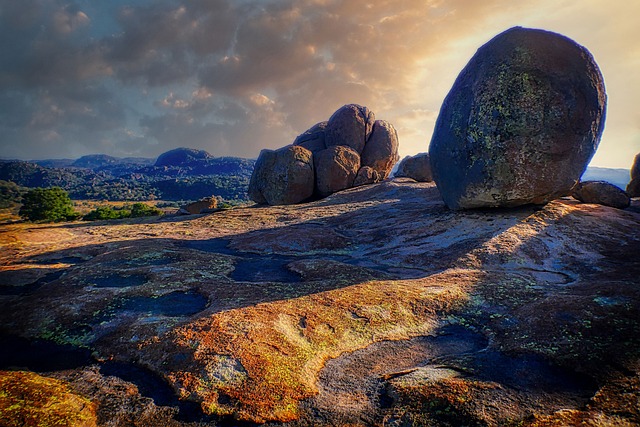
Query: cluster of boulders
633	188
352	148
521	122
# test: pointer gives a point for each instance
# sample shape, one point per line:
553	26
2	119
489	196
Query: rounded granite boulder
351	125
521	122
283	177
417	167
381	150
633	188
601	193
336	169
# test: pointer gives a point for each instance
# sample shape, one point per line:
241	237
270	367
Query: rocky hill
176	175
374	306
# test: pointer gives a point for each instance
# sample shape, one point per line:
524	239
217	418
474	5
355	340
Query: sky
137	78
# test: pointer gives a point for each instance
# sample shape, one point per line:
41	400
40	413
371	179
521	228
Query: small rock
336	169
198	207
602	193
282	177
520	123
381	150
417	167
367	175
351	126
314	138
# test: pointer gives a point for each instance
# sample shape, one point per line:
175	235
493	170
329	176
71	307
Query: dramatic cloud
233	77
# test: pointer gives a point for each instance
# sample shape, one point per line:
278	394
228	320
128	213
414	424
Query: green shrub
136	210
10	194
47	205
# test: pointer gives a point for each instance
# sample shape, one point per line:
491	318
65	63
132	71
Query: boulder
601	193
381	150
417	167
633	188
336	169
313	138
282	177
520	123
351	125
366	175
209	204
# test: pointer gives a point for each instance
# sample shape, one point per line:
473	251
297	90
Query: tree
141	209
48	205
10	193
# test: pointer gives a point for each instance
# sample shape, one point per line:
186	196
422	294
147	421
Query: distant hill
618	177
181	174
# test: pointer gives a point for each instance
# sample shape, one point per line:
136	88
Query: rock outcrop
521	122
633	188
416	167
283	177
602	193
350	149
311	313
181	156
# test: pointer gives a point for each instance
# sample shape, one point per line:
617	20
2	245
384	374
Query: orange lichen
28	399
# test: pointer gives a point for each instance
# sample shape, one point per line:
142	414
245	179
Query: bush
10	194
136	210
47	205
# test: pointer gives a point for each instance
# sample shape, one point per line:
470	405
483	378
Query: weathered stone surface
520	123
633	188
381	150
488	317
366	175
198	207
282	177
602	193
336	169
351	125
313	138
416	167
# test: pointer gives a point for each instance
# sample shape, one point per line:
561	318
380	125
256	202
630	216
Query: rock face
602	193
417	167
335	148
336	169
521	122
351	125
313	312
381	150
633	188
283	177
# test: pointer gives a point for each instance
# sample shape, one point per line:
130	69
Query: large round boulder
351	126
336	169
283	177
416	167
381	149
521	122
633	188
601	193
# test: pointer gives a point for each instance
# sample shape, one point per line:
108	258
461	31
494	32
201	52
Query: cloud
234	77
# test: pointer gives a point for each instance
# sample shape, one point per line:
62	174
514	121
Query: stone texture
366	175
602	193
416	167
200	206
336	169
521	122
282	177
351	125
381	150
633	188
313	139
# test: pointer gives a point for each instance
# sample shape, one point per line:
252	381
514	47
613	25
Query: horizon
137	78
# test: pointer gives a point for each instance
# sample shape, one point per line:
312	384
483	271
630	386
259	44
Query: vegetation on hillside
136	210
10	194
